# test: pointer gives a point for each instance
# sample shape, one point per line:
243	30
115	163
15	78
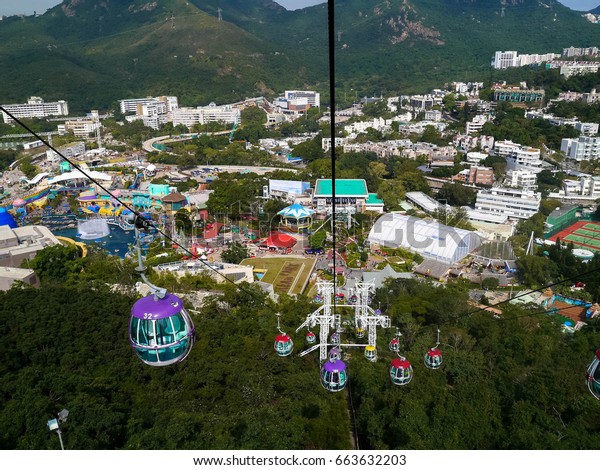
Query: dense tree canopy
511	383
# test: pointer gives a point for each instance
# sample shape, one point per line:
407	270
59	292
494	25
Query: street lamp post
54	425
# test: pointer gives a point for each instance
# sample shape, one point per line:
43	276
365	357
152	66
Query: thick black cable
148	223
331	37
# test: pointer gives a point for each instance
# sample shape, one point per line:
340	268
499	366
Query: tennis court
583	234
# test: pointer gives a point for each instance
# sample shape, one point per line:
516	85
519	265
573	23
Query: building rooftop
374	199
343	188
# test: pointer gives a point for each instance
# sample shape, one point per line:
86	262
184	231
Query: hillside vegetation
93	53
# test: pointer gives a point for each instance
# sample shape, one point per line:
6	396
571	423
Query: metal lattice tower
364	317
323	317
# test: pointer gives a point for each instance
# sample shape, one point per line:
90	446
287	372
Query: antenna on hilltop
219	13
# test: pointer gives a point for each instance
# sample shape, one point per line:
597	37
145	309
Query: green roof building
351	196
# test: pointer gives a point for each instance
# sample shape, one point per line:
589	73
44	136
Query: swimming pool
117	243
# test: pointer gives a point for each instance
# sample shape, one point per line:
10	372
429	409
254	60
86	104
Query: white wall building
514	203
35	108
525	158
586	188
521	179
133	105
505	59
80	127
476	125
583	148
204	114
313	98
505	148
568	69
433	115
326	142
587	128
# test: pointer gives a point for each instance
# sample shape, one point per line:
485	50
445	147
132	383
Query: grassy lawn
287	275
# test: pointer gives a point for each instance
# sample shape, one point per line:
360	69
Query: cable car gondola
395	342
335	338
371	353
593	376
401	371
334	376
433	357
335	354
160	330
283	344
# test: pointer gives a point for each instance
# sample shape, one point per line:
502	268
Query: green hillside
93	53
397	45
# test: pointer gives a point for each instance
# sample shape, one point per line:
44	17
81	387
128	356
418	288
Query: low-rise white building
582	148
514	203
326	142
476	157
205	114
475	126
35	107
521	179
525	158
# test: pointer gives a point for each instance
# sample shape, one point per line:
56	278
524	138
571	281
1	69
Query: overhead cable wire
331	39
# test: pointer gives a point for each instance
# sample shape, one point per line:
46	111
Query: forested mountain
94	52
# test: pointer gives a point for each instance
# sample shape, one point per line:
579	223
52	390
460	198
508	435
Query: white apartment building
339	142
582	148
587	128
204	114
579	51
525	158
70	150
530	59
424	102
433	115
133	105
586	188
80	127
35	107
312	97
568	69
379	124
521	179
505	148
465	143
514	203
505	59
476	125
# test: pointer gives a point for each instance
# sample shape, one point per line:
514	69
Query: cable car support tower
364	318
